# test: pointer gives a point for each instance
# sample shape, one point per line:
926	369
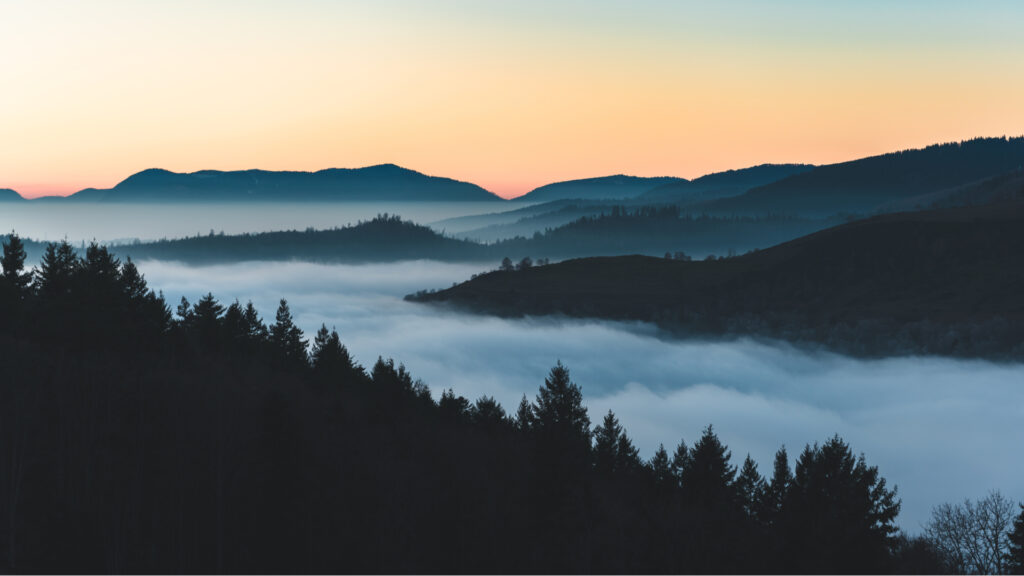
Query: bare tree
973	537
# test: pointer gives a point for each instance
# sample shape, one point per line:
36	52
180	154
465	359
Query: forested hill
382	239
651	231
607	187
134	441
940	282
385	182
866	185
722	184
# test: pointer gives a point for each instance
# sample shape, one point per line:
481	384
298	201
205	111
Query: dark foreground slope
941	282
134	442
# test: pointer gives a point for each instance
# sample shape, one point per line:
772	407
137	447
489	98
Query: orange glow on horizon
509	97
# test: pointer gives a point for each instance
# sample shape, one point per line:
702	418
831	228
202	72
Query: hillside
651	231
869	184
618	187
940	282
385	182
723	184
8	195
383	239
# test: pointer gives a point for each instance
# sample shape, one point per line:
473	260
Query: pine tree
57	270
680	460
287	338
524	418
775	493
606	442
13	263
562	424
661	469
838	513
750	488
707	475
487	412
1015	555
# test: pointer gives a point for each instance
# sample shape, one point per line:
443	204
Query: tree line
137	438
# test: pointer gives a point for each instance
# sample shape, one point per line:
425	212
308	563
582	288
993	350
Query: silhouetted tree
13	263
838	512
287	338
561	420
506	265
524	418
661	469
973	537
680	460
1015	553
750	488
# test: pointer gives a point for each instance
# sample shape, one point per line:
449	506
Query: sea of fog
941	430
111	222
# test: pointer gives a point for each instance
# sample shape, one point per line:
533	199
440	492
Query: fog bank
940	429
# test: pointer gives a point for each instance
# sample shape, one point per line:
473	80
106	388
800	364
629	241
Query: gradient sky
509	95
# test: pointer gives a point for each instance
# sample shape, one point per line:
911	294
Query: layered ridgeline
723	184
938	282
910	178
619	187
385	182
8	195
652	231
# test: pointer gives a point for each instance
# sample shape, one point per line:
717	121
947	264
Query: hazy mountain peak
8	195
383	182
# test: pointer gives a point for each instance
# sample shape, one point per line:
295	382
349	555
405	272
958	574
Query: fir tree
287	338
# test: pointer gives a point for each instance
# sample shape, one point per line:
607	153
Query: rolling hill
869	184
385	182
937	282
618	187
8	195
722	184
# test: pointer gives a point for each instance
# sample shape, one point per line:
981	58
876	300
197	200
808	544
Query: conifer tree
13	262
524	416
838	512
287	338
775	492
661	468
1015	555
750	488
562	424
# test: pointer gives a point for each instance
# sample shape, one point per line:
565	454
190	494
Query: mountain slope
939	282
722	184
866	185
619	186
8	195
386	182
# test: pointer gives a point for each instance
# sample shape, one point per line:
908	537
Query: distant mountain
722	184
868	184
8	195
938	282
617	187
385	182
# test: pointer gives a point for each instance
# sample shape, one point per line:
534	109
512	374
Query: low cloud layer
940	429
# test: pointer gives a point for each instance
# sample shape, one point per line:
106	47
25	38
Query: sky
508	95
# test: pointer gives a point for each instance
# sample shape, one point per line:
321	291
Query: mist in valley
940	429
54	220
